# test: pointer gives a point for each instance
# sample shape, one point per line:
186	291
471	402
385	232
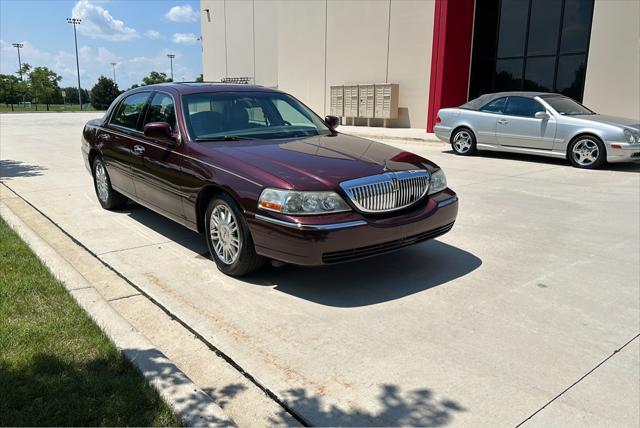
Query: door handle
503	121
138	149
104	137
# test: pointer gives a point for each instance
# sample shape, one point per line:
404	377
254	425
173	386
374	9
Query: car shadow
374	280
13	169
622	167
347	285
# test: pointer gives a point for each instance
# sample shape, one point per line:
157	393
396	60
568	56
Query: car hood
320	162
610	120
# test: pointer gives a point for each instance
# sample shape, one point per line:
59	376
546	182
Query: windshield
247	115
566	106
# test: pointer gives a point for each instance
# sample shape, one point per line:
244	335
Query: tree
44	85
71	94
9	89
103	93
155	77
200	78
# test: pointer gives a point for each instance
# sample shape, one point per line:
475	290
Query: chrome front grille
388	191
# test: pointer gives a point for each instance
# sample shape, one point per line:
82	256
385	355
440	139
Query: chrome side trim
301	226
448	201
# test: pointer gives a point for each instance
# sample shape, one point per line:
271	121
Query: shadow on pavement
375	280
413	408
12	169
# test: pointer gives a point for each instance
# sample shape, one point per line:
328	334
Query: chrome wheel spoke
224	233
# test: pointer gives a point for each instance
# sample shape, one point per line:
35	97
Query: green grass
56	366
42	108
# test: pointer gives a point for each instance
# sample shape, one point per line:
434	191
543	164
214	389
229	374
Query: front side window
161	109
520	106
566	106
495	106
246	115
129	111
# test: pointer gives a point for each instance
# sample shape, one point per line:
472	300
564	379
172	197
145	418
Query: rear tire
587	152
463	142
229	239
108	198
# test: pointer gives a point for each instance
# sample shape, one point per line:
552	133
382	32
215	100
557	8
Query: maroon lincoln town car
262	176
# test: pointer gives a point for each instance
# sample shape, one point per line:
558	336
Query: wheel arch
461	126
205	195
584	134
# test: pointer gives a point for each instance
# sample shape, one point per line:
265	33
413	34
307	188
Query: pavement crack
115	299
615	351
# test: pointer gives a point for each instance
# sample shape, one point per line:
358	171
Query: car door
117	138
519	127
156	164
484	120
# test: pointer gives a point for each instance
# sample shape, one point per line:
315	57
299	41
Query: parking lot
511	317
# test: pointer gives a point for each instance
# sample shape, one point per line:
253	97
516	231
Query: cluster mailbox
370	101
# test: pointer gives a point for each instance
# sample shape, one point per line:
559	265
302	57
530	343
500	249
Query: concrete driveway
518	311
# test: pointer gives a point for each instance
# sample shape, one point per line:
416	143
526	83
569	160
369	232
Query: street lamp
171	57
18	46
113	64
76	21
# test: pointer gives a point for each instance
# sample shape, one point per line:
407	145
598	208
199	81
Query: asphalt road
518	311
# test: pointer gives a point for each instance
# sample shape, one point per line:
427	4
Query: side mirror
332	121
542	115
160	131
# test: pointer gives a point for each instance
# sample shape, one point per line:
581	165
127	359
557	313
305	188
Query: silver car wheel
224	233
102	182
585	152
462	142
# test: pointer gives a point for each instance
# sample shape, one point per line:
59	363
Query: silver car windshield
566	106
230	116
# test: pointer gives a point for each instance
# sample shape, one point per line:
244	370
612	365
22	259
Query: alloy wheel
224	233
462	142
102	182
585	152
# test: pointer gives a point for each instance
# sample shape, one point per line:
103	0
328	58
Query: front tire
587	153
463	142
108	198
229	239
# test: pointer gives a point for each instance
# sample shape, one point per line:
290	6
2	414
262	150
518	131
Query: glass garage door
531	45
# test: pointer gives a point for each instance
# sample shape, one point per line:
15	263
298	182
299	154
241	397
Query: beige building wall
303	47
612	84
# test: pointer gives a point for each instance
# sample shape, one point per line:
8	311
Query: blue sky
136	34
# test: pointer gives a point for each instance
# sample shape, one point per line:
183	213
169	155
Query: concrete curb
191	405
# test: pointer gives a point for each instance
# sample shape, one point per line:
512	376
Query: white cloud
153	34
184	38
183	13
97	22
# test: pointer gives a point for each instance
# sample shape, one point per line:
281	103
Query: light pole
171	57
113	64
18	46
76	21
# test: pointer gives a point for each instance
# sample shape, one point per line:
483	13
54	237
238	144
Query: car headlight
437	182
628	135
296	202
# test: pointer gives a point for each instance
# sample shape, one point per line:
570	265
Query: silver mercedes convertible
539	123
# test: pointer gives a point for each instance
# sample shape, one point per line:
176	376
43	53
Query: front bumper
350	236
622	152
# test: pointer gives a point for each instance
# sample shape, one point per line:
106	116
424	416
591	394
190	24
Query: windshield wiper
224	138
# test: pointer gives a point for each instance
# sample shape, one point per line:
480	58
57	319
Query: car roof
184	88
483	100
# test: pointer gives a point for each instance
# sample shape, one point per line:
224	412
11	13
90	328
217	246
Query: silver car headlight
628	136
437	182
296	202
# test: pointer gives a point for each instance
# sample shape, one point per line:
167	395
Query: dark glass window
539	74
535	45
161	109
129	110
513	27
520	106
508	75
544	27
495	106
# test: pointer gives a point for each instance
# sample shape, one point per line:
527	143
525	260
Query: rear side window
161	109
495	106
129	111
520	106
